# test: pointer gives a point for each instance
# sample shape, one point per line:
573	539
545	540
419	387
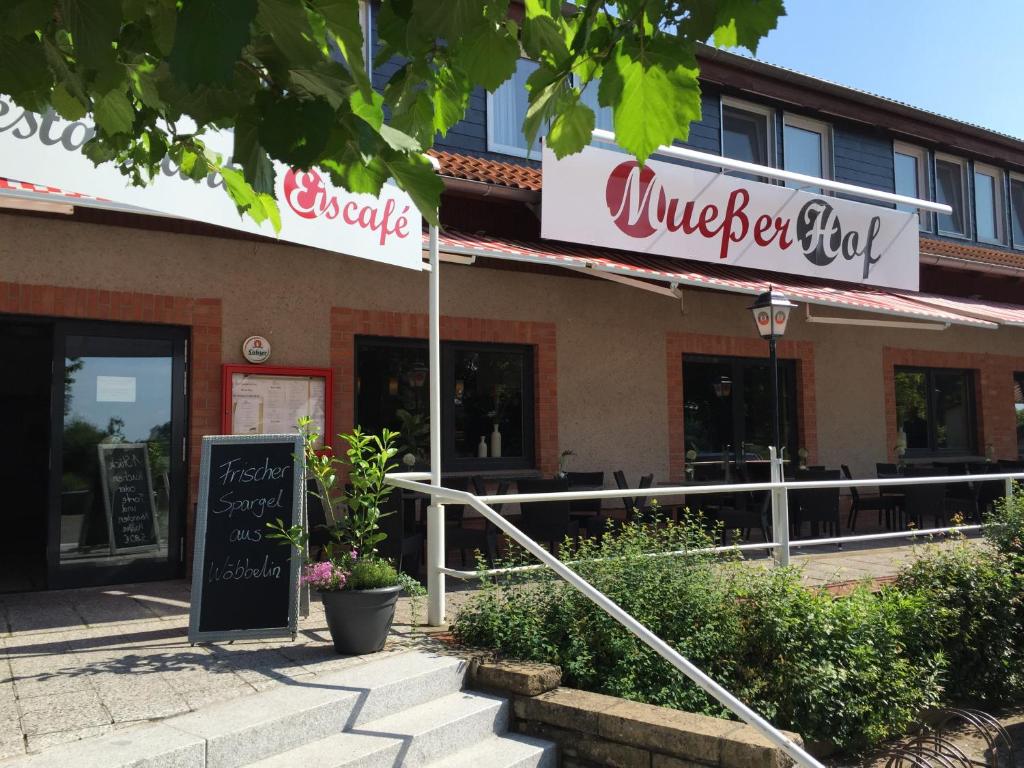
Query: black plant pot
359	619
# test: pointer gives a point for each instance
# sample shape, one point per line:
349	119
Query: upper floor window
951	189
747	133
506	110
807	148
1017	209
911	171
988	204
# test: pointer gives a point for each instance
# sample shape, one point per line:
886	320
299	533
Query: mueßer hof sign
46	150
601	198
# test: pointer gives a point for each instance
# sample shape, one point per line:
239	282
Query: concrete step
245	730
411	737
508	751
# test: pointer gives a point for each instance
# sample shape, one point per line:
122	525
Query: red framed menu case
260	400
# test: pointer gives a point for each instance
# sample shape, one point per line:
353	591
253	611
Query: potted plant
358	587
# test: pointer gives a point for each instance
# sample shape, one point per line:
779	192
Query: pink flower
324	576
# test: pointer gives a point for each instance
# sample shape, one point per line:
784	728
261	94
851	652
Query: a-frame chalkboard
245	585
128	497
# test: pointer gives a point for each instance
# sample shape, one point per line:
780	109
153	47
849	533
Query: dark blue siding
863	158
706	133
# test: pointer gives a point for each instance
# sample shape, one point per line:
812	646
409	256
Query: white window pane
745	135
949	189
602	115
1017	211
803	152
508	110
907	176
985	206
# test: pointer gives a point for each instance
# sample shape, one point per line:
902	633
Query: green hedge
853	670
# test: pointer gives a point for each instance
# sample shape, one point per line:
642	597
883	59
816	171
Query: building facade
118	327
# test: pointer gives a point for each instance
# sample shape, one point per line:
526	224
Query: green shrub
845	670
372	573
1004	526
972	599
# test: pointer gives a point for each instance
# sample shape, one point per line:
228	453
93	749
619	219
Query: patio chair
585	511
961	498
816	506
636	507
866	502
745	513
465	538
547	521
923	500
404	543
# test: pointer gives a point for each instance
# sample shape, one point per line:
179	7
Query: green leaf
415	174
450	97
288	26
19	18
144	80
208	40
656	97
489	57
342	19
94	26
114	113
163	21
323	81
249	153
571	130
295	131
67	106
742	23
371	111
259	207
397	140
24	74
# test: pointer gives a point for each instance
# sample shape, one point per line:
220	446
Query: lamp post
771	314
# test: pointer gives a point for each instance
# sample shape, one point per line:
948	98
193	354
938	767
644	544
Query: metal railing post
435	512
780	511
1009	489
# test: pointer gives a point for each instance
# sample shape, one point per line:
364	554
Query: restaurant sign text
601	198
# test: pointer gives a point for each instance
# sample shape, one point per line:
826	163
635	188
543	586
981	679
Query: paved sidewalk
81	663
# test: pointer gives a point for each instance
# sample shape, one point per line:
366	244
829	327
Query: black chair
404	543
586	512
866	502
961	498
816	506
743	513
634	506
548	520
921	500
465	538
887	469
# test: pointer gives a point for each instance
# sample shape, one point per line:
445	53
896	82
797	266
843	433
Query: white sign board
44	149
600	198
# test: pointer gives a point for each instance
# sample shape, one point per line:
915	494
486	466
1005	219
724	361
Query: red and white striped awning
701	275
1003	314
46	195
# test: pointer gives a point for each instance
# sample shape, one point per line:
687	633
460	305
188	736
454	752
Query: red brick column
993	391
678	345
203	316
348	323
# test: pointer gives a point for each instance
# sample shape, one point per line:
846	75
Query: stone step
411	737
248	729
508	751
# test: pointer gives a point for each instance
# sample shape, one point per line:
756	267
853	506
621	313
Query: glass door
117	483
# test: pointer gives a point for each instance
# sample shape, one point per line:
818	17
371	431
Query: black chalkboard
244	584
128	497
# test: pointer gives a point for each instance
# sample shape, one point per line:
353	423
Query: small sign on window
115	389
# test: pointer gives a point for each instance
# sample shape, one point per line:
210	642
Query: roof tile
488	171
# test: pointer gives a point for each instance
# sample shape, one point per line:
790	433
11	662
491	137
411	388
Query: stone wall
595	731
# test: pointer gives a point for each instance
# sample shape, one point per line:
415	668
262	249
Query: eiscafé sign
599	197
44	149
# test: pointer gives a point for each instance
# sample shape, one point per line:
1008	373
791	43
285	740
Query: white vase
481	450
495	443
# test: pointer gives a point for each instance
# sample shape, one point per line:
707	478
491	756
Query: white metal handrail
655	643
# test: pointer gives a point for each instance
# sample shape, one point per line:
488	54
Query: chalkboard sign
245	585
128	497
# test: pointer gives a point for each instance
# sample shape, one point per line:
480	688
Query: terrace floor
81	663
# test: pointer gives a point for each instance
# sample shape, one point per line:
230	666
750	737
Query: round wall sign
256	349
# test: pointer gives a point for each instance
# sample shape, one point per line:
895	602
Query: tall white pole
435	512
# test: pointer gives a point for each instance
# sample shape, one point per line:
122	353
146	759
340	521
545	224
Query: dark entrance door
117	485
24	452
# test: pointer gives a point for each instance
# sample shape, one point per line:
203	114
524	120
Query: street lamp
771	313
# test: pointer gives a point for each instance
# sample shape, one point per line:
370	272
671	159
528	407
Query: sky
960	59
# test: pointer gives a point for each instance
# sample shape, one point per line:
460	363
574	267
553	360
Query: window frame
507	149
998	202
1012	177
972	411
965	185
449	461
1018	383
769	114
924	191
824	130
